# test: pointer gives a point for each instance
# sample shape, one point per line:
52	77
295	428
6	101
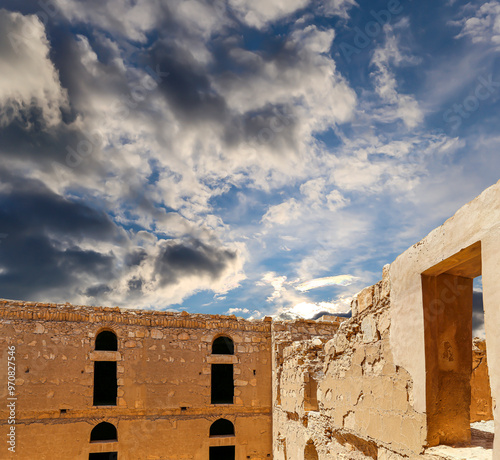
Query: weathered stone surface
481	403
365	299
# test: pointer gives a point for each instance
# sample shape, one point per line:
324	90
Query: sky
247	157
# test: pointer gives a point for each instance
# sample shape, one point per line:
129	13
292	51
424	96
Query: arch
223	345
222	427
104	431
106	341
310	452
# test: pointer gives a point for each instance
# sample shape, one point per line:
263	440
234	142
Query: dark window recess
222	427
106	341
222	384
104	456
222	453
104	432
223	346
310	452
311	395
105	384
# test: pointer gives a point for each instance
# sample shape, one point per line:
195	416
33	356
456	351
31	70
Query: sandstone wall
344	395
481	403
164	362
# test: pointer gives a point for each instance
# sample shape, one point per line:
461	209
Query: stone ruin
403	378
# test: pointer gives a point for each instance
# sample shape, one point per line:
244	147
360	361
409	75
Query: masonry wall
481	403
164	362
363	406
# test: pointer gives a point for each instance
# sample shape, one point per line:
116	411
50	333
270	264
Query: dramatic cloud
52	245
223	156
29	80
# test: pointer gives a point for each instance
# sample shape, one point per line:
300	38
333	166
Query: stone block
156	334
39	328
369	329
386	281
365	299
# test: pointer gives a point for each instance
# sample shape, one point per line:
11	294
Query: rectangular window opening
104	456
311	394
222	384
222	453
105	383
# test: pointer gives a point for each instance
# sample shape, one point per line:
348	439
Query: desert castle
401	379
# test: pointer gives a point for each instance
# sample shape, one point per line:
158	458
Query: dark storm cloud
187	87
135	257
272	125
135	285
41	250
192	258
477	314
49	149
97	290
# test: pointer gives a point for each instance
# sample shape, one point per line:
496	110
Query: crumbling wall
481	403
364	402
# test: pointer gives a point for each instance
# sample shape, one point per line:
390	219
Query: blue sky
234	156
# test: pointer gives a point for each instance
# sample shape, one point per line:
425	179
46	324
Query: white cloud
232	311
398	106
484	25
339	280
310	82
130	18
316	196
309	310
28	78
337	7
259	13
282	213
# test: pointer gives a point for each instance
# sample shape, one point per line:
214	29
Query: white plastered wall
478	220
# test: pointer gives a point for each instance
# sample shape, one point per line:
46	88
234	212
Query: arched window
104	432
223	346
222	427
106	341
310	452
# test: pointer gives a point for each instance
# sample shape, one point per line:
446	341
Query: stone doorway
447	290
